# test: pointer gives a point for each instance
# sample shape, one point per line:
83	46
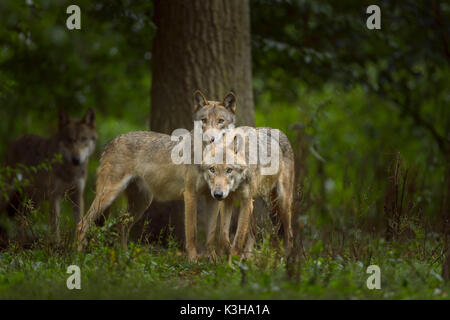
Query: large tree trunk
201	45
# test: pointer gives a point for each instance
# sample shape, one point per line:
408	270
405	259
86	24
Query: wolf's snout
76	160
218	194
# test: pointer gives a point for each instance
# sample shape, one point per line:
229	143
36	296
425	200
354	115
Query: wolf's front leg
212	211
226	213
245	212
54	218
190	208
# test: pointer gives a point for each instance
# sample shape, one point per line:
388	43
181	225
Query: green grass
409	270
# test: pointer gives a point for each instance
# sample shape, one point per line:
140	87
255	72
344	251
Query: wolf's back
137	147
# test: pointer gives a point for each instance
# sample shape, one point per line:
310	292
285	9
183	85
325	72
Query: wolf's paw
225	247
212	256
192	256
80	246
233	256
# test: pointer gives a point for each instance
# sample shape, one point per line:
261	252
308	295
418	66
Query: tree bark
201	45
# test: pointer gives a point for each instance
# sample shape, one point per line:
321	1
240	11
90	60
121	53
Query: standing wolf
75	142
239	170
139	163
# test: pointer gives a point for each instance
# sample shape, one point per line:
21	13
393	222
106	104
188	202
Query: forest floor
409	270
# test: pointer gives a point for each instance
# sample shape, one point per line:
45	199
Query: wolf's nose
76	160
218	194
212	139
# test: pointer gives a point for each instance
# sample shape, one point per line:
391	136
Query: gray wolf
75	141
242	180
215	116
139	164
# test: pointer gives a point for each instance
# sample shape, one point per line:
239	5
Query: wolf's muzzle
76	160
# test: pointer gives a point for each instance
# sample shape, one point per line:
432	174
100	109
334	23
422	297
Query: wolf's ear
89	118
229	102
63	117
199	100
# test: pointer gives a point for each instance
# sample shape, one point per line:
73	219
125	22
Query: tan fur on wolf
244	182
139	164
75	141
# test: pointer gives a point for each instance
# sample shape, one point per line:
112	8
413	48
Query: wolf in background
75	141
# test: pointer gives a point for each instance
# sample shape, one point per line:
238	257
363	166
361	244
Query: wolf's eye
84	139
229	170
204	120
212	170
220	121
